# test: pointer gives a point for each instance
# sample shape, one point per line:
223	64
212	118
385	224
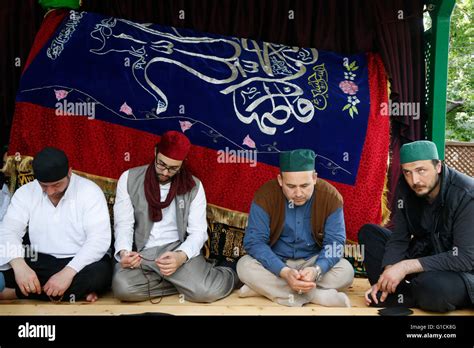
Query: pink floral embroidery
185	125
348	87
60	94
126	109
249	142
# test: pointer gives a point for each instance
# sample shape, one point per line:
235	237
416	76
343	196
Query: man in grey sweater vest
160	229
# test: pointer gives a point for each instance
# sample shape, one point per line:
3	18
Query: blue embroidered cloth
226	93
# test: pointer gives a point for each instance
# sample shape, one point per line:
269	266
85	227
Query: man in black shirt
427	260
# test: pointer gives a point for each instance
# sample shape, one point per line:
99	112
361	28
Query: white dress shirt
164	231
4	201
78	227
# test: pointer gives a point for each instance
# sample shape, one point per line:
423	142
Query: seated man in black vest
427	260
160	229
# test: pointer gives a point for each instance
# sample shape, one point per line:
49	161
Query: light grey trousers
253	274
196	280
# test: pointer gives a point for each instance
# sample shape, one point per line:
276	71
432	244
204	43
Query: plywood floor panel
232	305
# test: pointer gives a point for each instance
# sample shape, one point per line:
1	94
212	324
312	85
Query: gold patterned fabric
20	171
225	244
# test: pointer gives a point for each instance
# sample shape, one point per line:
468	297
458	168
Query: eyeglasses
162	166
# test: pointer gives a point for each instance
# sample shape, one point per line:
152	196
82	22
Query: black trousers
95	277
438	291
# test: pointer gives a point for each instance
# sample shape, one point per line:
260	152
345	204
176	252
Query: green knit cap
418	151
300	160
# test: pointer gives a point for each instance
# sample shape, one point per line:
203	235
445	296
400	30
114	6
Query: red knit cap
174	145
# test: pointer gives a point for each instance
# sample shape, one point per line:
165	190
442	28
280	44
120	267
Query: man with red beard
160	229
427	260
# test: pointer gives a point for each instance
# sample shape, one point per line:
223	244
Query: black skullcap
50	165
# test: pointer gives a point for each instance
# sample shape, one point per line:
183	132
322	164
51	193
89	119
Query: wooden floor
232	305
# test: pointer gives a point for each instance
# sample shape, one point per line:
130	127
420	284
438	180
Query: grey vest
143	223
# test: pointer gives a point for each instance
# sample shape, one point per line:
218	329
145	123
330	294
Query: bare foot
92	297
8	294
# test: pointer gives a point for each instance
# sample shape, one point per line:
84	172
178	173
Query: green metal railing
436	59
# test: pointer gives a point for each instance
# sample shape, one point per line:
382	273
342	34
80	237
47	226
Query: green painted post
440	18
